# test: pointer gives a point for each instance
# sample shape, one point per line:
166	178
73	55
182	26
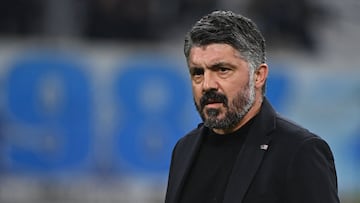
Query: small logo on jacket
264	147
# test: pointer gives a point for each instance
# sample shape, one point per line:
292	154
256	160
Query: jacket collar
192	147
251	154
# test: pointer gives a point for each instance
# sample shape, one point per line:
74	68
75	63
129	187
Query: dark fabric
209	174
279	162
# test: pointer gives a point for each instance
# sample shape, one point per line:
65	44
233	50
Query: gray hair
229	28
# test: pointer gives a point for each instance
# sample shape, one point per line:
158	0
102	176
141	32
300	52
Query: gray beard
235	111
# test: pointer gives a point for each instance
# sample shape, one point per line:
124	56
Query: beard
235	110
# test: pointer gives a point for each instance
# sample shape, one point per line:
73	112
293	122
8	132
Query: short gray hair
232	29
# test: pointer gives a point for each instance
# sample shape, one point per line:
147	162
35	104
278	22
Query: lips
213	105
212	101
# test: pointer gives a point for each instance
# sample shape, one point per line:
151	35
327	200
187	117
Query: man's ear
261	74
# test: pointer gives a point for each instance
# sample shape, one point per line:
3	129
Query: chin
218	117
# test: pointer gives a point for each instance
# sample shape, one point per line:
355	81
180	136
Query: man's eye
197	71
223	70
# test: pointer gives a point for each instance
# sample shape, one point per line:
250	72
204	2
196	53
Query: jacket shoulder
292	129
190	136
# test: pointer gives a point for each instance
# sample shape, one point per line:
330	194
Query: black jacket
280	162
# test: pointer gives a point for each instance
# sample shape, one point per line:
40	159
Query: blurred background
95	93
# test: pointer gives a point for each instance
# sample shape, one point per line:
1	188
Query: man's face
223	87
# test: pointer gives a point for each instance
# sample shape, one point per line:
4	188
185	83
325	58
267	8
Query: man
243	152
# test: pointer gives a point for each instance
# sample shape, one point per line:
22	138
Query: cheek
234	91
197	93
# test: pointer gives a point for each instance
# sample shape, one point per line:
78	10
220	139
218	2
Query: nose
210	82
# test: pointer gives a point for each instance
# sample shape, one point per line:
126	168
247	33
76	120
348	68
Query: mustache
212	97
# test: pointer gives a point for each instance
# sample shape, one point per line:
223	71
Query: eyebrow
193	69
220	64
213	66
